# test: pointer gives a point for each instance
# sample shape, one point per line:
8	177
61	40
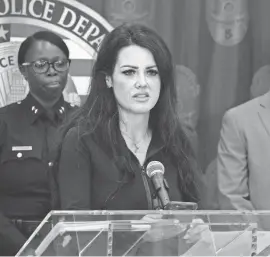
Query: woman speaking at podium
128	120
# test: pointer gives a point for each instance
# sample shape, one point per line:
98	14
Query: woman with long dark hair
128	120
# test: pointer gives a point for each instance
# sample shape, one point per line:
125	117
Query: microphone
155	171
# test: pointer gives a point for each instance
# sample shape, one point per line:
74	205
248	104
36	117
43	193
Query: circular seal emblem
83	28
13	86
128	6
227	20
140	11
188	92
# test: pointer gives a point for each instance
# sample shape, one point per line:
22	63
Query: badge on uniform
22	148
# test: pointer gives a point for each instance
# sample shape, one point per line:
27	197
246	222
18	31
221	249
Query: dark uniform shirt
28	145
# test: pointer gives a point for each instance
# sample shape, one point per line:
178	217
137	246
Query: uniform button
19	102
50	164
72	105
19	155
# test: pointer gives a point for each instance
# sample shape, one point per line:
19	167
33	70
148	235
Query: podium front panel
149	233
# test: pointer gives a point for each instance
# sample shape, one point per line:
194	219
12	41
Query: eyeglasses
42	66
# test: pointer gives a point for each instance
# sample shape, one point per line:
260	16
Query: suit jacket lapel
264	111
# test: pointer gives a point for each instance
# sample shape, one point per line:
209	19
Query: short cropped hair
41	36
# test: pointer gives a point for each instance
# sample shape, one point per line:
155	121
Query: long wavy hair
99	114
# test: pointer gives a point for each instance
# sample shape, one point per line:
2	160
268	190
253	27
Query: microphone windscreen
154	167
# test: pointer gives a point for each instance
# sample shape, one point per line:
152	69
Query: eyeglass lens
43	66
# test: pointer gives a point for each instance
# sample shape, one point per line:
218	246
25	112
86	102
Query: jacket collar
264	111
155	146
35	110
264	100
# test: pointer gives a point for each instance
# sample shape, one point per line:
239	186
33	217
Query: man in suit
243	162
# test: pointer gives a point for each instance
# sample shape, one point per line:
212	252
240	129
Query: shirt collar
35	110
155	146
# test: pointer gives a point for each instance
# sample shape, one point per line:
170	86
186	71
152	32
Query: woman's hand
198	231
162	229
167	228
152	218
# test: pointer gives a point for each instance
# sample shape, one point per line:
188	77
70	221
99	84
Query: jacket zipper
147	189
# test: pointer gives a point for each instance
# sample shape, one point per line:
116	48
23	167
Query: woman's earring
108	82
